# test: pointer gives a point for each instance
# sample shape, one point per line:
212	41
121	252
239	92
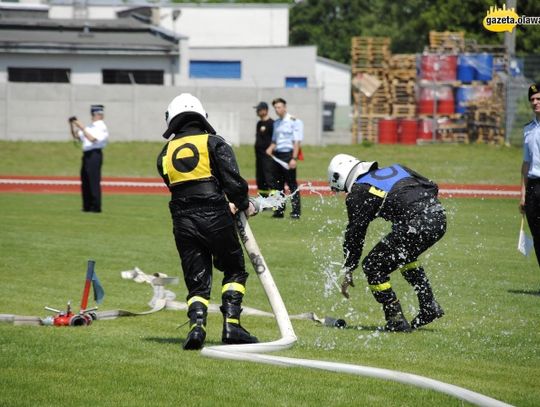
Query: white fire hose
164	299
253	352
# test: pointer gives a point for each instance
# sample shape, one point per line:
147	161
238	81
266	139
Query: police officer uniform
200	169
531	156
92	161
287	131
409	201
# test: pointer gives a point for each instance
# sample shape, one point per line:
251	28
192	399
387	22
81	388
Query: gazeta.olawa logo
506	19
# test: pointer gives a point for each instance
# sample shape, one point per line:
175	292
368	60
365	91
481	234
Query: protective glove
347	281
253	208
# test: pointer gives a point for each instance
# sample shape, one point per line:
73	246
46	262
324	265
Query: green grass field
488	341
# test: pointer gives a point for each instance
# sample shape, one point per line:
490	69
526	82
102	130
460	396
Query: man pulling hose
201	171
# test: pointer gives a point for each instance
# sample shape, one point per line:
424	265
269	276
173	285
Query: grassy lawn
488	341
481	164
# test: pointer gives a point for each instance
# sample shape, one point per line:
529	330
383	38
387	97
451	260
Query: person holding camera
93	138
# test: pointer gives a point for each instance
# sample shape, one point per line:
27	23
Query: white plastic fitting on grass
254	352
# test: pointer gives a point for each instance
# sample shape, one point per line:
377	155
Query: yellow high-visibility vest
187	159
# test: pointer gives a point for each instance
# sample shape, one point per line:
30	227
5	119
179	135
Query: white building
97	42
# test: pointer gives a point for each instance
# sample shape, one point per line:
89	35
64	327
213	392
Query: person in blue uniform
530	170
286	141
409	201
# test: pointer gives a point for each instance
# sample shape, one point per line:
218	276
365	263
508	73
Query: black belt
194	188
532	181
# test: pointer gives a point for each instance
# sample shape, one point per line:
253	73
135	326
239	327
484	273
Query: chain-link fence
518	109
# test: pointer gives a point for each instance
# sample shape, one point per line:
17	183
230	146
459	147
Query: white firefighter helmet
344	169
185	103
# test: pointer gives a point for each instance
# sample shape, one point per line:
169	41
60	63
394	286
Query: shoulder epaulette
293	118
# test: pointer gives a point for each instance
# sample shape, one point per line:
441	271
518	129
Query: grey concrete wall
39	112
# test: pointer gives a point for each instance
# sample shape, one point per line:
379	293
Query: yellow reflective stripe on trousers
232	321
195	325
380	287
410	266
234	287
196	298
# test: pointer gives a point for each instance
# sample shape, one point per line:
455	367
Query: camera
72	119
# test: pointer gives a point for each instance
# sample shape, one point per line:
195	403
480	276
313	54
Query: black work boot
428	313
430	309
197	323
233	332
395	321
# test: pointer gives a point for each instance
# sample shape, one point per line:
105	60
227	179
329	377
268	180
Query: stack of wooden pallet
370	52
402	78
485	121
447	41
370	55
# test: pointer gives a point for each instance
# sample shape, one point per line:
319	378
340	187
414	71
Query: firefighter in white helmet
408	200
201	171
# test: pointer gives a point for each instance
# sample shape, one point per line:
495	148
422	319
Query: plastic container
435	67
388	131
463	95
425	129
425	101
483	66
445	100
407	131
465	68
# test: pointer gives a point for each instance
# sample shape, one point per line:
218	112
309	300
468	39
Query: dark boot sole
420	322
195	342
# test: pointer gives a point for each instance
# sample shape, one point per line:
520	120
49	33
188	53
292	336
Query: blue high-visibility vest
384	178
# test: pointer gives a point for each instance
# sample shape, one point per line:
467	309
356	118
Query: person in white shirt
287	135
93	138
530	170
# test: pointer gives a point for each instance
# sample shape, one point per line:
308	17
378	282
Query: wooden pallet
403	110
365	128
369	52
403	61
453	41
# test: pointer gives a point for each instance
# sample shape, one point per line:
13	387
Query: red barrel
425	102
388	131
408	129
425	129
445	102
435	67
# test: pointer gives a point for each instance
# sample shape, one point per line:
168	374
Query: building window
215	69
132	76
58	75
296	82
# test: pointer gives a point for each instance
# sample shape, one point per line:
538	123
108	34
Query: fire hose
255	352
164	299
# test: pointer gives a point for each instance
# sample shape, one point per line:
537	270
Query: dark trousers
532	210
404	244
263	172
91	180
283	176
203	235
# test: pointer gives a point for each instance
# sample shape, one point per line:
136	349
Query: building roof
123	36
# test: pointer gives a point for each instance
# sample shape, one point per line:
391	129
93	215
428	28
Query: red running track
129	185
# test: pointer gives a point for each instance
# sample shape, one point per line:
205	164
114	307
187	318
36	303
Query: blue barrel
465	68
484	67
463	95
